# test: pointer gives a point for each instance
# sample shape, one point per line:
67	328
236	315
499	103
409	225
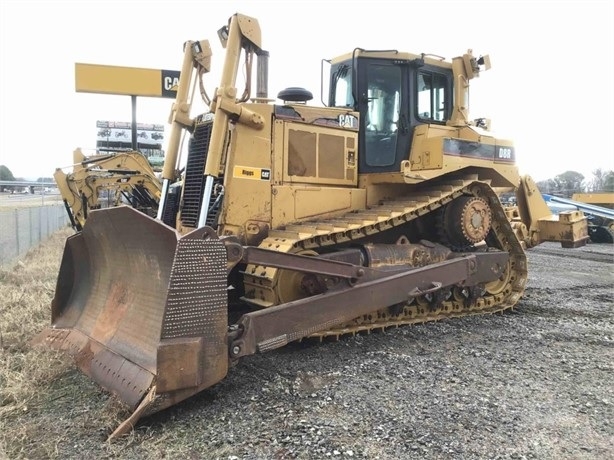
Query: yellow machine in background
106	180
598	209
290	220
605	199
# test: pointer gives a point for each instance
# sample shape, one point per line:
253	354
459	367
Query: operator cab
393	92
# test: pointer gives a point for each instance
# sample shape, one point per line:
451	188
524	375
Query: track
310	237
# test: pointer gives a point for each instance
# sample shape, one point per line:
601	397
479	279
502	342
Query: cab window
432	97
341	86
382	117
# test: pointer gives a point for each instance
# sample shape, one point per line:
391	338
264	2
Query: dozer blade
142	309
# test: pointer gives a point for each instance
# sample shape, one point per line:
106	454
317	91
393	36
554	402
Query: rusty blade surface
110	299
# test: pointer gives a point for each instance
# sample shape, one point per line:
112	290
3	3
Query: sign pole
131	81
134	138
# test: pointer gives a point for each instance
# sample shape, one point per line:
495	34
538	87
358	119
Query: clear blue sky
550	88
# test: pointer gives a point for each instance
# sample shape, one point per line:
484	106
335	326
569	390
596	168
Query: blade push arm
274	327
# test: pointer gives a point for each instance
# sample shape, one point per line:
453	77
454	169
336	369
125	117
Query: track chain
499	296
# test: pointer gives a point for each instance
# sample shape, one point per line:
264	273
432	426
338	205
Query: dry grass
26	291
40	388
47	406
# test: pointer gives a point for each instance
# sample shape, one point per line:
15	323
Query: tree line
6	174
570	182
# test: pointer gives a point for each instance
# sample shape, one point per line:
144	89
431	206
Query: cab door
383	104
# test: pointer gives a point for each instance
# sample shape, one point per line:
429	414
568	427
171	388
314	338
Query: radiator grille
194	182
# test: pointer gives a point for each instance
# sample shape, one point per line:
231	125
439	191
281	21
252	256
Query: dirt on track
535	382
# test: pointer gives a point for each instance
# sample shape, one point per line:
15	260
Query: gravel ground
532	383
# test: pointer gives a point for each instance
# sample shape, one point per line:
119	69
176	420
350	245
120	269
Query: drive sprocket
465	221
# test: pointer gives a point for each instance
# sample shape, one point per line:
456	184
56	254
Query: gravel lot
532	383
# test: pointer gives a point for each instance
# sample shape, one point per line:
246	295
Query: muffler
142	309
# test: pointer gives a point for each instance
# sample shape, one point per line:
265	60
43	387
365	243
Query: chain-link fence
25	227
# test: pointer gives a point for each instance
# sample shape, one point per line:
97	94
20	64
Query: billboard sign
131	81
121	131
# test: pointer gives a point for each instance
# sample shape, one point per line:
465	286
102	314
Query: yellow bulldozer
378	208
